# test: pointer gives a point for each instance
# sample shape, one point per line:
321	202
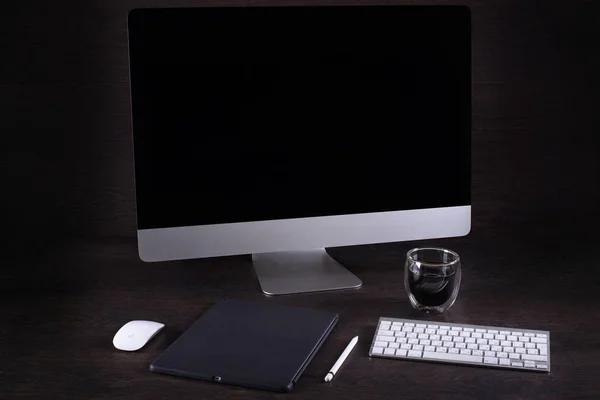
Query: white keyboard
488	346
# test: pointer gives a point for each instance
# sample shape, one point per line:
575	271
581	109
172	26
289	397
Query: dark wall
66	154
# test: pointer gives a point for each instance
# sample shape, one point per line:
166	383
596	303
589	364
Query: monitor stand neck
293	272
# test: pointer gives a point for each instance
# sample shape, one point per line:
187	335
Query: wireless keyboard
488	346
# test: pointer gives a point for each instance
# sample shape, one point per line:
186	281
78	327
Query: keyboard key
401	352
380	343
516	364
433	326
414	353
393	345
505	332
411	335
542	366
477	353
396	328
385	333
406	346
385	323
421	326
493	331
451	357
538	340
490	360
389	352
429	348
377	350
504	361
529	334
531	357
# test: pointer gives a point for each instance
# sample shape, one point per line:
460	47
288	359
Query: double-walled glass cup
432	278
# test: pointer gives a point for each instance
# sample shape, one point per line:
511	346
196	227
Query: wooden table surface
66	156
58	325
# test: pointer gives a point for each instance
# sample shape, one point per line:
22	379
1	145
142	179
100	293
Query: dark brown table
67	171
61	307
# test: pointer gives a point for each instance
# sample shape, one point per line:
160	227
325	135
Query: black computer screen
260	113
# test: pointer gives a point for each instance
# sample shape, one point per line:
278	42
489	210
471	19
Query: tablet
253	344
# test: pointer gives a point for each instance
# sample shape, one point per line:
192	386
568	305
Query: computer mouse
135	334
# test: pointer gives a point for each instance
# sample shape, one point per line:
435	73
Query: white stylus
341	360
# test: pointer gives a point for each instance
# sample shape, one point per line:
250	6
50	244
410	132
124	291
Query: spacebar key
451	357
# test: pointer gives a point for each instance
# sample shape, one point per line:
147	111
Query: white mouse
135	334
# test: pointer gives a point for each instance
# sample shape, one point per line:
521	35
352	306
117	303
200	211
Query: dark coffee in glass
432	278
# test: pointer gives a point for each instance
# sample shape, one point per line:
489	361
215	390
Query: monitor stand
293	272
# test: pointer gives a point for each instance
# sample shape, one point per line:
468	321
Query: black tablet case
254	344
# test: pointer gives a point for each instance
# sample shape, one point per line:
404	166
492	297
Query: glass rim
411	252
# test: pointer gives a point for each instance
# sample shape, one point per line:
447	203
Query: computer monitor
278	132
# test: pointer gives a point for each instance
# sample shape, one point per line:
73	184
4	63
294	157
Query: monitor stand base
293	272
